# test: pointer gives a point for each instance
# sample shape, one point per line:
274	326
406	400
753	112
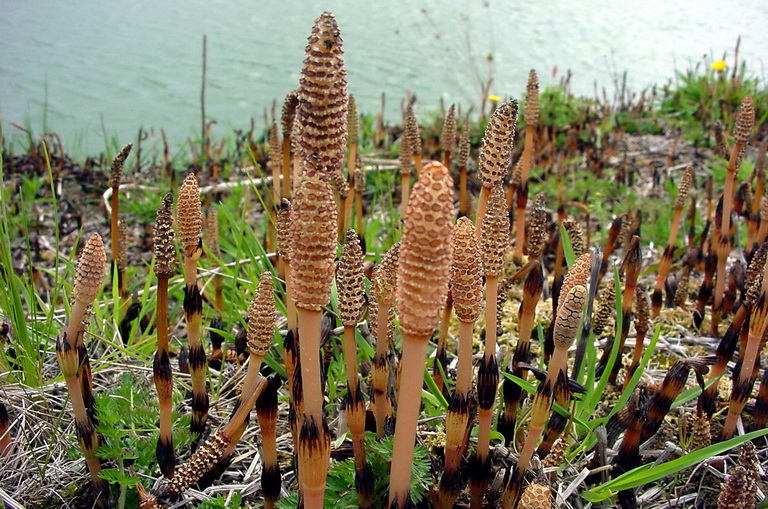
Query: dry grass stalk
566	328
741	133
494	243
73	356
189	222
351	288
666	260
313	249
531	118
384	284
467	289
287	118
464	149
321	113
448	135
165	268
422	284
495	152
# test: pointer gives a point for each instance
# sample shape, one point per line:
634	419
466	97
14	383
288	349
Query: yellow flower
719	65
494	98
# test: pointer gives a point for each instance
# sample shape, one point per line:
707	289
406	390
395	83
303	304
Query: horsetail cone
288	112
425	252
466	272
212	232
353	119
448	134
201	462
536	496
568	316
189	215
412	131
578	274
386	274
91	268
496	147
350	280
405	155
642	311
116	173
605	308
165	251
339	183
575	236
742	130
464	147
261	317
494	233
359	179
684	187
122	244
275	151
532	99
537	227
321	113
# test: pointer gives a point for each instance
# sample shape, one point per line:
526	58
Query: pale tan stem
491	295
482	206
286	192
464	366
408	404
405	186
310	324
350	357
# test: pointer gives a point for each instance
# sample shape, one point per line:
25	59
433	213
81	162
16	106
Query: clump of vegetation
338	325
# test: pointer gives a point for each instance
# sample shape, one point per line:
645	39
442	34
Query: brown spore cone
425	252
321	113
313	237
91	268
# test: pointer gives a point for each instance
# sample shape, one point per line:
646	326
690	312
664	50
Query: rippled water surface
85	68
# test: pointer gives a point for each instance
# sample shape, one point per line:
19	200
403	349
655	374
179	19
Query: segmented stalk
73	357
189	222
351	289
313	249
666	259
165	268
423	274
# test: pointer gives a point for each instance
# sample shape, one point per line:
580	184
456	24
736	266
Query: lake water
84	68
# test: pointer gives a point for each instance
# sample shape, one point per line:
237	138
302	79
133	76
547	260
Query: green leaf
649	473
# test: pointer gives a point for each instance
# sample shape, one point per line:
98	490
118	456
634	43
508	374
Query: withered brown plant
351	288
165	268
742	130
467	290
531	119
189	223
422	283
495	152
313	249
666	260
494	243
73	356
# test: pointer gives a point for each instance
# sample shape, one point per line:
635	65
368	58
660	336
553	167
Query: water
92	70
